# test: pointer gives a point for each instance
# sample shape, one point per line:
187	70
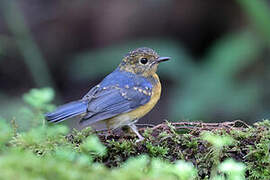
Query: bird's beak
162	59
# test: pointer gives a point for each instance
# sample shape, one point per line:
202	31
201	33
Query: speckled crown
142	50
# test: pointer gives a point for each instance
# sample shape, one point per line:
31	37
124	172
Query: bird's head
142	61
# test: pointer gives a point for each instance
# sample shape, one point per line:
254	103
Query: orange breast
127	118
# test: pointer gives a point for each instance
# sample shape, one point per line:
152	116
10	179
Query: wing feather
111	102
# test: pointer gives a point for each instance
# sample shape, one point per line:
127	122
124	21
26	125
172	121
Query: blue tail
66	111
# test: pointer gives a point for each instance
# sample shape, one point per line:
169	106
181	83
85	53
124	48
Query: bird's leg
108	133
109	130
135	130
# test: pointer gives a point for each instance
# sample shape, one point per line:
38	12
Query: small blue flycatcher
121	98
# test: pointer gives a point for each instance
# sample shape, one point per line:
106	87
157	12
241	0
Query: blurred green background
219	71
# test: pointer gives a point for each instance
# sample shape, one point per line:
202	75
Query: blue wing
116	95
67	111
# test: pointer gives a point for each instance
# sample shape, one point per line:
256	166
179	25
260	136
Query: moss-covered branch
212	150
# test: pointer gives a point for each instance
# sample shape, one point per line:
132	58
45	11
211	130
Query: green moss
125	147
46	152
156	150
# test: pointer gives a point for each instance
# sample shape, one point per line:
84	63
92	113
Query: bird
121	98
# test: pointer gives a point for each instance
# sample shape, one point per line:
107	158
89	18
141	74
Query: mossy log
183	141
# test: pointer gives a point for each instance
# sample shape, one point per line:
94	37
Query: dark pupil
144	60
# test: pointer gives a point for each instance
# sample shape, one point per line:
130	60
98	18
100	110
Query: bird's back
120	92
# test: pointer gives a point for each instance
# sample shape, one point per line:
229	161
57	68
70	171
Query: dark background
220	53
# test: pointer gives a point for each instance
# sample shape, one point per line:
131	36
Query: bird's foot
135	130
139	140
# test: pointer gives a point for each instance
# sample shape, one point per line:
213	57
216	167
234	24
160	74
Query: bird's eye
144	60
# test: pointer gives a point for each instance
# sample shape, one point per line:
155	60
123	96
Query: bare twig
237	124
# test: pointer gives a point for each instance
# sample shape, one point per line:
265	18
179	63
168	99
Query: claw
135	130
140	139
